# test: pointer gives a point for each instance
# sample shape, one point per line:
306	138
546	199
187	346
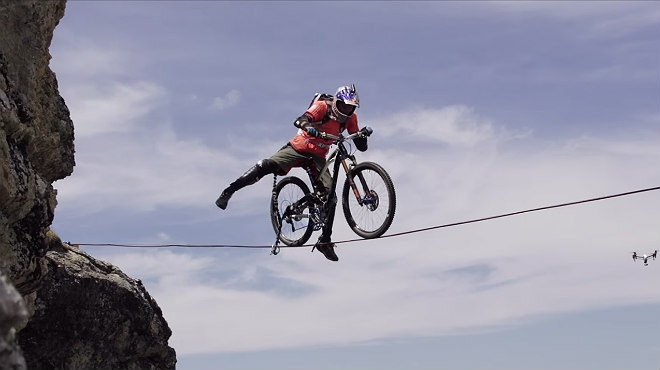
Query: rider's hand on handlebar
311	130
366	131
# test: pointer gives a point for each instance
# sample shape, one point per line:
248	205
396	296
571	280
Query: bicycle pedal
275	249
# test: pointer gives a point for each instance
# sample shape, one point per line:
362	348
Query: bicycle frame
340	156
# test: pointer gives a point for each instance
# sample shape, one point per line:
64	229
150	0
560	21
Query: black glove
361	140
366	131
311	130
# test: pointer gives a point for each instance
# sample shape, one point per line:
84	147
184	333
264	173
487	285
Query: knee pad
267	166
256	172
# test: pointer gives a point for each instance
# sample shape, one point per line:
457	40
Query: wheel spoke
293	214
372	215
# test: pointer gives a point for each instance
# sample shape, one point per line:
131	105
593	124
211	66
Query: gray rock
75	312
36	137
101	318
12	315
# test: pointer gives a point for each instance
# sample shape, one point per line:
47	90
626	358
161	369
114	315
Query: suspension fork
351	183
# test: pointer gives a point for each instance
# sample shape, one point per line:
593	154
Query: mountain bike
368	197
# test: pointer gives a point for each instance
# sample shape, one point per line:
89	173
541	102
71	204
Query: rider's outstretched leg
251	176
325	244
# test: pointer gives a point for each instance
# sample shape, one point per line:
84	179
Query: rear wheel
289	211
369	207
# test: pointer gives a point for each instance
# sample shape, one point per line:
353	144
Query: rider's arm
301	121
314	113
352	127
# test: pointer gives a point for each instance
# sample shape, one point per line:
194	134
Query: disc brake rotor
371	200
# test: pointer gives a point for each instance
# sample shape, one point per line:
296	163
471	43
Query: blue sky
478	109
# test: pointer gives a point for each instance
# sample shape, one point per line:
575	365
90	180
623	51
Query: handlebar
364	132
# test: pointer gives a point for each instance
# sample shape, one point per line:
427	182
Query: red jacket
305	143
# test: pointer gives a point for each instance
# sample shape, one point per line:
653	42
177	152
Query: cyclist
331	117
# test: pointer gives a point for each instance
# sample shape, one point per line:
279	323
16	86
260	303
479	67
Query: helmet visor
345	108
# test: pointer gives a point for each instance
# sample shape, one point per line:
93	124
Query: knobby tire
288	191
365	222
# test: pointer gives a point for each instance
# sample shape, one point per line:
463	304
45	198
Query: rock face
36	137
64	308
115	324
12	315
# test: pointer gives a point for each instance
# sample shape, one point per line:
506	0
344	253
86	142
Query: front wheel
289	211
369	200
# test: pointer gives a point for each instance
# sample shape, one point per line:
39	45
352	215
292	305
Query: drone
644	256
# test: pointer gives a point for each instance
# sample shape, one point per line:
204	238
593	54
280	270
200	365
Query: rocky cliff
59	307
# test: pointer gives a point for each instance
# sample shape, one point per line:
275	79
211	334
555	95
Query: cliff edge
59	307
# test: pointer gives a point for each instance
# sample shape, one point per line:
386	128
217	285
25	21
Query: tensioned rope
382	237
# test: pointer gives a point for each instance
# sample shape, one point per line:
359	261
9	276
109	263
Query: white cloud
160	263
228	100
602	13
128	155
83	58
113	108
453	125
143	171
599	18
96	80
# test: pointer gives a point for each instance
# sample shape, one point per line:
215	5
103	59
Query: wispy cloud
228	100
453	125
82	57
157	169
117	114
604	15
112	108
